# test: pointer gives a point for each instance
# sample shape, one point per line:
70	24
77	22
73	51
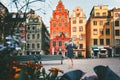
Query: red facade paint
59	28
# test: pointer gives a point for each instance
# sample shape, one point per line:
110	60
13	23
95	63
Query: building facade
59	25
99	32
116	31
37	36
3	14
78	31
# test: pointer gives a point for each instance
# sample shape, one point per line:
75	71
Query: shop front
101	51
95	52
117	51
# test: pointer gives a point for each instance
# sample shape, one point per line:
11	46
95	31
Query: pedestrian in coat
70	46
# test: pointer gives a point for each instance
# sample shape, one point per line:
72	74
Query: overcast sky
48	6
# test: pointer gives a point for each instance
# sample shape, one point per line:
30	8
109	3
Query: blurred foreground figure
73	75
70	46
105	73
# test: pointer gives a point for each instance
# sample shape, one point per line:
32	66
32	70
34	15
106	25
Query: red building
59	29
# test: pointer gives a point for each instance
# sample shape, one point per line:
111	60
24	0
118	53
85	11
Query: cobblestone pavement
86	65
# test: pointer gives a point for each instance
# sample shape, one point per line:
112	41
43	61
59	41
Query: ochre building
99	32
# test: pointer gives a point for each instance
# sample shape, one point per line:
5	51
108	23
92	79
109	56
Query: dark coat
70	48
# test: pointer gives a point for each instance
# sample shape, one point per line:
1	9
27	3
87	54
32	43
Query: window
95	32
28	46
65	24
117	15
60	33
74	37
38	45
80	28
94	22
74	29
107	31
54	43
117	41
33	28
81	46
31	20
0	9
95	41
107	41
54	24
104	14
28	36
60	24
33	45
80	21
33	36
60	43
28	28
101	41
116	23
74	21
54	34
65	33
101	22
57	16
35	20
97	14
62	16
60	9
100	7
77	14
38	36
117	32
81	37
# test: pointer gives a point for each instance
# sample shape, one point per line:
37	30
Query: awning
94	47
107	47
96	50
103	49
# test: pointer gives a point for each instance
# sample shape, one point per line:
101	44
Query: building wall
3	14
37	36
99	27
116	18
78	30
59	24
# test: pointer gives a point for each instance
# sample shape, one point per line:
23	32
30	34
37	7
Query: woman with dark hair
70	48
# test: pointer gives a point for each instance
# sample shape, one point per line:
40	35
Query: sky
45	9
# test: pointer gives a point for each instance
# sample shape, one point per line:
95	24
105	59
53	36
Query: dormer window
36	20
60	9
100	7
31	20
57	16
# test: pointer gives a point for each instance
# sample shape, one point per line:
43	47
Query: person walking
70	46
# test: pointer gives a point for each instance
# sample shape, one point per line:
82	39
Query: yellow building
78	31
116	18
99	36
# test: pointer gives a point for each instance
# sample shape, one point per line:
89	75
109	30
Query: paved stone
86	65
